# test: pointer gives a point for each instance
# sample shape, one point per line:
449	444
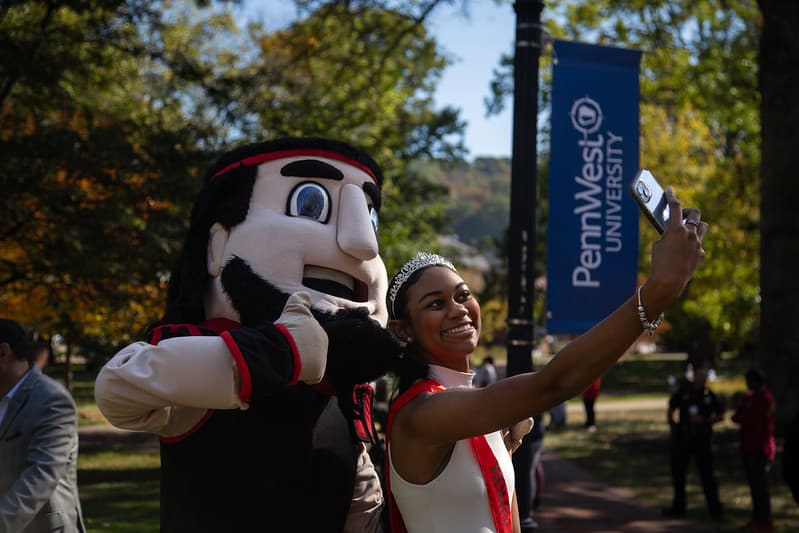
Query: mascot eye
309	200
373	217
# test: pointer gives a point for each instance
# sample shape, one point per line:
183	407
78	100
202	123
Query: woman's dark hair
412	367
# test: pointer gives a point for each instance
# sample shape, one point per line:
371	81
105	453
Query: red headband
271	156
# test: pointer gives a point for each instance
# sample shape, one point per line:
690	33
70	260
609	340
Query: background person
557	416
754	412
698	408
486	373
590	395
38	444
536	438
40	354
448	468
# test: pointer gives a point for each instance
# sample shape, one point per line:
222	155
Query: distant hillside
479	194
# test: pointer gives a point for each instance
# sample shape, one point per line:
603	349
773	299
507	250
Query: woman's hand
675	257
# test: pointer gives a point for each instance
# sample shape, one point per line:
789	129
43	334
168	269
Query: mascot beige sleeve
166	389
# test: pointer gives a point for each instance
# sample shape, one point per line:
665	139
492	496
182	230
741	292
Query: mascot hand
360	350
309	337
513	435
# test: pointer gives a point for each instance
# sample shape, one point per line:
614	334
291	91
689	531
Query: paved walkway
574	501
99	437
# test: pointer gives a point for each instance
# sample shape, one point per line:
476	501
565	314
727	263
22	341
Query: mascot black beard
256	378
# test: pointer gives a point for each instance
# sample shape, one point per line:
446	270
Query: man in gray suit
38	444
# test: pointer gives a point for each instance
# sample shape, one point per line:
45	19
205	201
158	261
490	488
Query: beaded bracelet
649	327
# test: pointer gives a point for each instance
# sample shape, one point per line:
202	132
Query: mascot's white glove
310	340
513	435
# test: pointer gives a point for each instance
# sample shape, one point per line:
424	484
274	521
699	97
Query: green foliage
415	213
99	158
700	132
364	74
479	193
110	111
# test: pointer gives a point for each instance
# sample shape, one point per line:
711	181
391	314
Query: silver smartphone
651	198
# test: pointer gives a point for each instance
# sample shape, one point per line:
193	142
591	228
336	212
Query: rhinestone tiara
421	260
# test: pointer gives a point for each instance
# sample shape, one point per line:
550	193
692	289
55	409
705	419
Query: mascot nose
356	236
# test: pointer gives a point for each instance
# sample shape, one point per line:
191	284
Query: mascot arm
141	387
514	434
296	334
367	499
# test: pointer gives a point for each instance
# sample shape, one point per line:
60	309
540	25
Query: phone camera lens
643	191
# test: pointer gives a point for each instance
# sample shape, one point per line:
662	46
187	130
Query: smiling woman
448	465
434	313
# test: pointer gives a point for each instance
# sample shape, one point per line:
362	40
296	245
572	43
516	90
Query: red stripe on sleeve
158	332
241	364
294	352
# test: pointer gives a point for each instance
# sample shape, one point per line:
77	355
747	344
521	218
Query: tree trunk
68	367
779	209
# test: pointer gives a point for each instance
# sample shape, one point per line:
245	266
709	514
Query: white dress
456	500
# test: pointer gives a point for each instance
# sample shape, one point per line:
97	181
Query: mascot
255	378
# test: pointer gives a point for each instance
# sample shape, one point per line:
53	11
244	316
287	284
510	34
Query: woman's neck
458	365
451	378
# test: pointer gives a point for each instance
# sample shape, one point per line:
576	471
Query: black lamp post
521	234
523	186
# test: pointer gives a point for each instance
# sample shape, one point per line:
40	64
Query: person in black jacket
255	377
697	409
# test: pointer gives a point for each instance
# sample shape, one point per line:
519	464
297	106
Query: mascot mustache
359	348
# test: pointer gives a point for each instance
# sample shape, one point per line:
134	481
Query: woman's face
443	318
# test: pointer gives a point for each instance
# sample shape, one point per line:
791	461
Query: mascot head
294	214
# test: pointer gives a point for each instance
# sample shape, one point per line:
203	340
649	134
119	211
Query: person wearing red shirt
755	414
589	398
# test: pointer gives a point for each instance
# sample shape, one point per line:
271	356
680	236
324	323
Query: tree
718	121
110	110
98	153
779	226
365	73
700	133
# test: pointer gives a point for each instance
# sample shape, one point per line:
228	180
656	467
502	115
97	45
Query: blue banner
592	229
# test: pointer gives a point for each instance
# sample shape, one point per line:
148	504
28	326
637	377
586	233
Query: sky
475	42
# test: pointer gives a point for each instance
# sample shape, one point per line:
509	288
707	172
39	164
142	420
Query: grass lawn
119	482
630	447
630	450
119	488
118	476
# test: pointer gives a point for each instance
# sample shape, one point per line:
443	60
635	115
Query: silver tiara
421	260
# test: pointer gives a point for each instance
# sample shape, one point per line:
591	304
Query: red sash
498	501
